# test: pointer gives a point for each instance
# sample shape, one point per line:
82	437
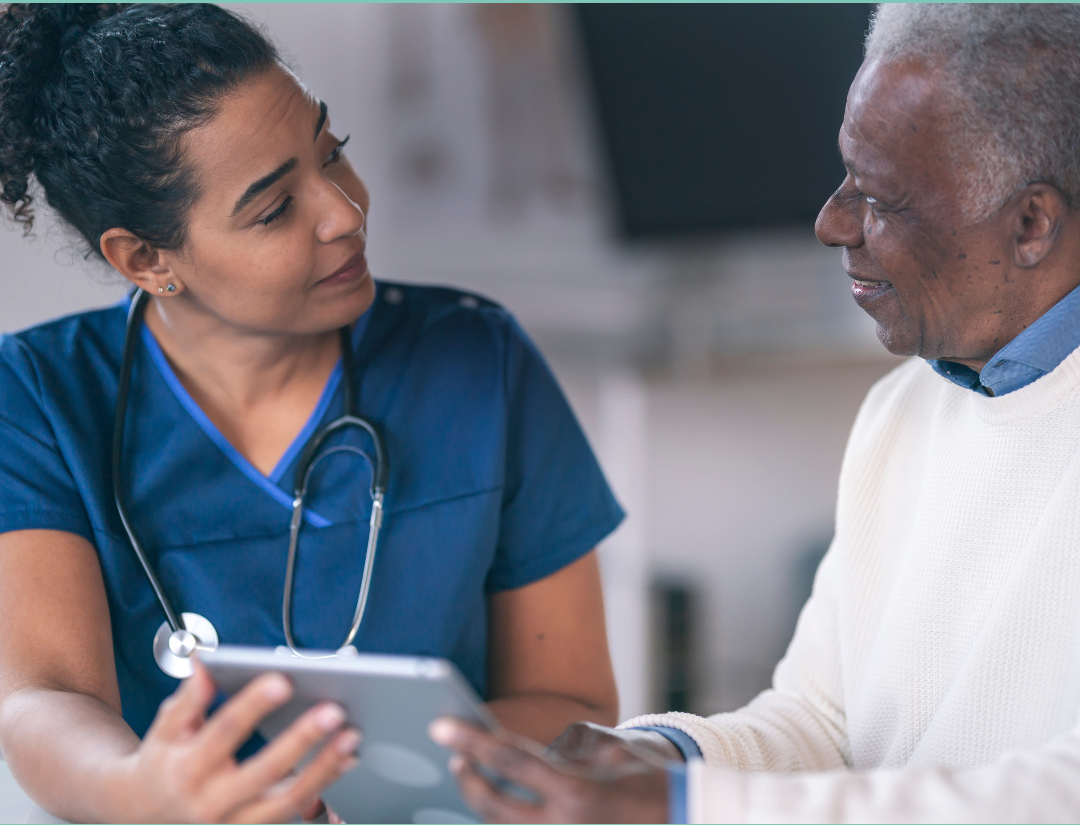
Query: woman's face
276	238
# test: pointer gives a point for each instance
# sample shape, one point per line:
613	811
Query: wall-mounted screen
717	117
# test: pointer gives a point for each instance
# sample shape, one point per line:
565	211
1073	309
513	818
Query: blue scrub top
492	486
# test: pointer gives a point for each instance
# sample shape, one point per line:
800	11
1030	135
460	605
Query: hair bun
94	99
33	39
34	36
80	18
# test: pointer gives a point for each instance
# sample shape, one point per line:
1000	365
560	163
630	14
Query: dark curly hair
94	102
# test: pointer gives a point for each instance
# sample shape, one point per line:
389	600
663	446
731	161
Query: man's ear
139	262
1039	211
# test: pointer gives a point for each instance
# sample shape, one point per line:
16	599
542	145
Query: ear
140	262
1039	212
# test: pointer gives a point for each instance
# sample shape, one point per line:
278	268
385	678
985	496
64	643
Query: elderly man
935	672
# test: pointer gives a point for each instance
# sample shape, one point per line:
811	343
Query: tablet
402	775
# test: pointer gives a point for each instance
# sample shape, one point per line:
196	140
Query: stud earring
170	288
160	289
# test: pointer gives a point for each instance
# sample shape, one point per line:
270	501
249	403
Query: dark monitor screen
721	116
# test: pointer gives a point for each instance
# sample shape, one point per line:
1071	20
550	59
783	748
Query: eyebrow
264	183
840	149
849	165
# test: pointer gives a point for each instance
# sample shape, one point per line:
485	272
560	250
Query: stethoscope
180	635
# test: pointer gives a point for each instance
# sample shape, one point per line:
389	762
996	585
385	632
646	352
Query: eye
335	155
277	213
871	200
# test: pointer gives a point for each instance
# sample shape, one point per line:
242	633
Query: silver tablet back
402	776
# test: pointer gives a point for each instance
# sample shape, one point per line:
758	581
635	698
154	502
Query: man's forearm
65	749
1038	785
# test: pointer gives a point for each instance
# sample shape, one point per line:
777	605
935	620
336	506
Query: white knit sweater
935	672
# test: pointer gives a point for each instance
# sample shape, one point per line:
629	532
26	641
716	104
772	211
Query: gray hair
1013	72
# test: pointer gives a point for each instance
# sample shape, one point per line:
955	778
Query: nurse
175	143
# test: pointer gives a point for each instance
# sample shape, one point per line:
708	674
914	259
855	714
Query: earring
160	290
169	288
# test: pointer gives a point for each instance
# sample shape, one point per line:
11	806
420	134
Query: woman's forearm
548	660
543	716
66	750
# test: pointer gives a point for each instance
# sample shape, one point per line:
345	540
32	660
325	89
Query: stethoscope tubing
374	527
380	473
134	318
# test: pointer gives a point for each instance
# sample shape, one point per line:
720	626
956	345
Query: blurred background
638	185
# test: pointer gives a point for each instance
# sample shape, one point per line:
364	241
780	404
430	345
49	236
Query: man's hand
588	743
615	784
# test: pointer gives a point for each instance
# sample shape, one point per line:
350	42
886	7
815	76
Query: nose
340	218
839	222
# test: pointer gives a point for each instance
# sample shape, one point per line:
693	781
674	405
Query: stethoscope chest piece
180	636
173	648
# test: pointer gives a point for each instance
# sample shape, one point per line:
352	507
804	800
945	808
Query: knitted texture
934	674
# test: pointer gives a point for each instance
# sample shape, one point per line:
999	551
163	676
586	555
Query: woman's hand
616	784
185	770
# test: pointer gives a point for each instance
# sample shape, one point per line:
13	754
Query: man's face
937	285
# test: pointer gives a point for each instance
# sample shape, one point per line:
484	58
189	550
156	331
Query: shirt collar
1029	356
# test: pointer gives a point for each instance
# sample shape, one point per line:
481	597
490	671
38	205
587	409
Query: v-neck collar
269	484
308	429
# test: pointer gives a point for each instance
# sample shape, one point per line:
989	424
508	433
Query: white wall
44	277
742	475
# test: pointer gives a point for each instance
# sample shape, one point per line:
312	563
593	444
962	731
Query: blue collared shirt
1029	356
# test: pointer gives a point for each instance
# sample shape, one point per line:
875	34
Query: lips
353	269
864	291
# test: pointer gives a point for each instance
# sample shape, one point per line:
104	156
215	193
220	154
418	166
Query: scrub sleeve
37	490
556	505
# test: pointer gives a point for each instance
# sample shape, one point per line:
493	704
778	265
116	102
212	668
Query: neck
975	365
1014	314
237	368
